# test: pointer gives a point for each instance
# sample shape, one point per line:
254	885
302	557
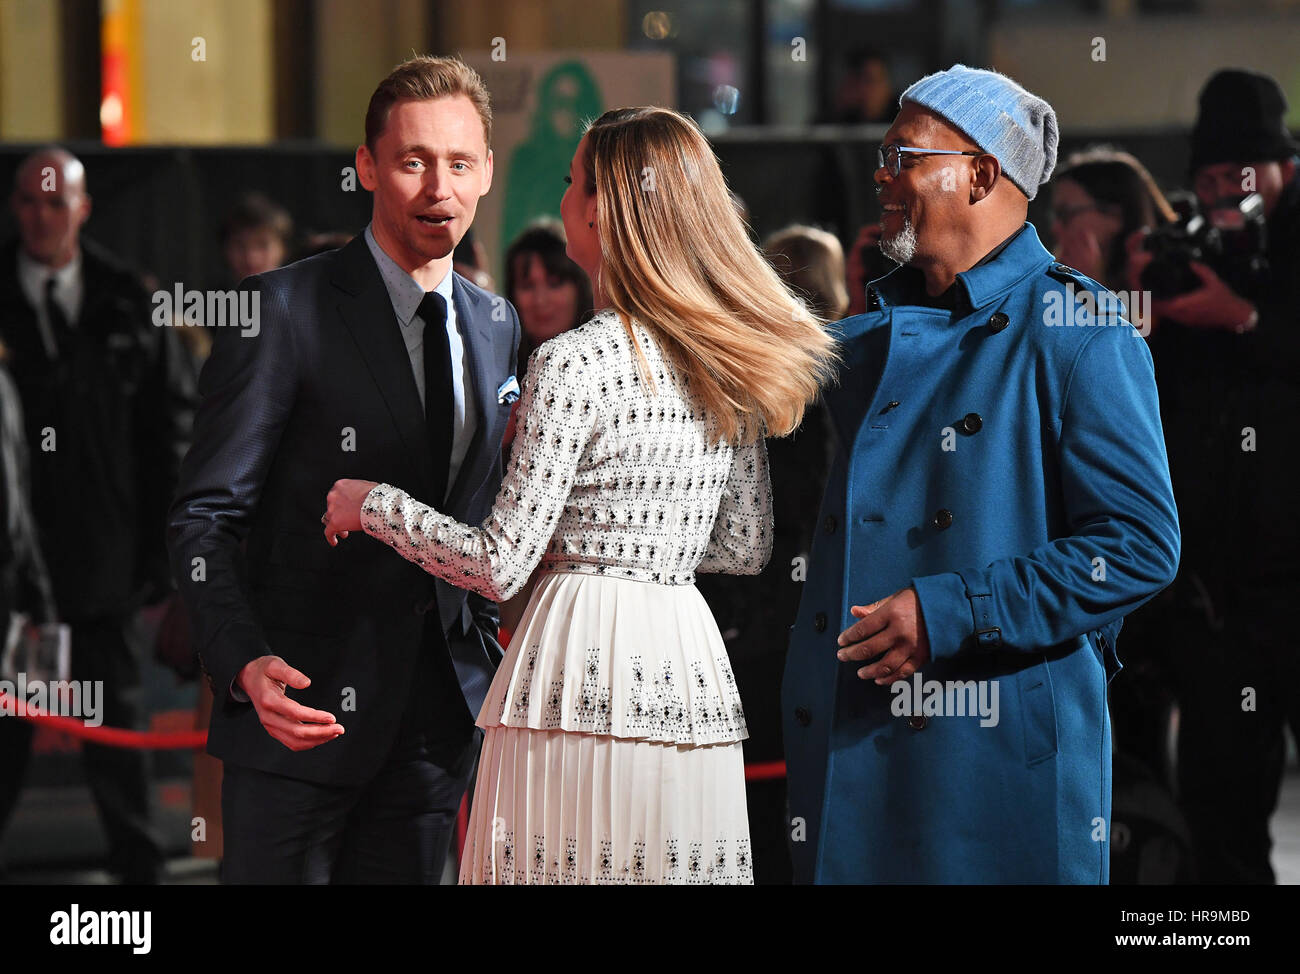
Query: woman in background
613	727
1100	198
551	293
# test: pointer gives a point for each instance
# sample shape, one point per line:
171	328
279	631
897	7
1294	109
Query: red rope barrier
108	736
196	740
765	771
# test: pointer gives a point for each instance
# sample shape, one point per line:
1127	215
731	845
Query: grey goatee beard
901	246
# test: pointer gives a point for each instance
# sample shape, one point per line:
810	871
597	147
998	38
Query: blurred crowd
96	405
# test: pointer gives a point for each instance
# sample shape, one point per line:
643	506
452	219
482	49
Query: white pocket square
508	391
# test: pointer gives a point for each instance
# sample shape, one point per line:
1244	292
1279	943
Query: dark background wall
160	208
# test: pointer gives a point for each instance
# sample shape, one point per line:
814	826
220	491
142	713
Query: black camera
1230	239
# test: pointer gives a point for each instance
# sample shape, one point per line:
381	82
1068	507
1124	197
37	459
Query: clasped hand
891	629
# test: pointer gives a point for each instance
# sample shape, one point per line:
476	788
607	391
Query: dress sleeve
557	419
741	542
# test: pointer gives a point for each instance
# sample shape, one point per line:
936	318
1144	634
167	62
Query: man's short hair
422	78
255	211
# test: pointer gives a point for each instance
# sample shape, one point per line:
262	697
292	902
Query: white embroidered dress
612	746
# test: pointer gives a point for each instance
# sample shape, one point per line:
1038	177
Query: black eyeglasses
890	156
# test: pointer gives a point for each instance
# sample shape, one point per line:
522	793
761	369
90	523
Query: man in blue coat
1000	499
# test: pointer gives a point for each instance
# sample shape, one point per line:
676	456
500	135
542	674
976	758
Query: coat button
942	518
998	321
819	622
829	524
802	715
418	608
972	423
917	722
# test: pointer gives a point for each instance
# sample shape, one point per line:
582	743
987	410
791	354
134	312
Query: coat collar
1022	257
98	270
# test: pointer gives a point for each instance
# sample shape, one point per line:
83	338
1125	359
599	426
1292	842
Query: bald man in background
108	408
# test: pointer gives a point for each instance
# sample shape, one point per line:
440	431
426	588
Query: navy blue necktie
439	392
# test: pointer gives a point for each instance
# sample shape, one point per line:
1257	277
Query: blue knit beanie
998	115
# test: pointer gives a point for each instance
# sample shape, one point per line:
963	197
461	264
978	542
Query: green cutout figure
567	97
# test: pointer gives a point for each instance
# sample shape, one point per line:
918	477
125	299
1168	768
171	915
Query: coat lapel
367	311
865	350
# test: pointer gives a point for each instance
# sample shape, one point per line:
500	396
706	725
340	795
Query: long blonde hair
677	258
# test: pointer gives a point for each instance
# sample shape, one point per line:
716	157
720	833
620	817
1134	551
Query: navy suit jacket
321	388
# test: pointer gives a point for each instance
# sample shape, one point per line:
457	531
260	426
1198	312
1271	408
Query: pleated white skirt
557	805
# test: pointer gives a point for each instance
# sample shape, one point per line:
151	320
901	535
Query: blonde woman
613	729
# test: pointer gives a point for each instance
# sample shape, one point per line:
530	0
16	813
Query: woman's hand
343	508
855	267
1078	247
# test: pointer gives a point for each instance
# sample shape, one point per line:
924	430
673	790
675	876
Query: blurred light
117	27
110	111
711	123
657	25
726	98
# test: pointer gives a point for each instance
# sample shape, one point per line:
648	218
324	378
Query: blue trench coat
1007	460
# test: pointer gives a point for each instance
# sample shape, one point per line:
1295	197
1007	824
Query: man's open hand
892	627
297	727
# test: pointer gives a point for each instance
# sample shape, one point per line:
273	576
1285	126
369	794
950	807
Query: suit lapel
476	333
367	311
96	290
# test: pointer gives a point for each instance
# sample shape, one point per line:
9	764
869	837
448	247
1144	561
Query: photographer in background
1225	352
1100	196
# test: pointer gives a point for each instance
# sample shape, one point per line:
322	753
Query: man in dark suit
373	361
107	408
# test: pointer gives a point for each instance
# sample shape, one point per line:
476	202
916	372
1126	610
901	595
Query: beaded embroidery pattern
605	477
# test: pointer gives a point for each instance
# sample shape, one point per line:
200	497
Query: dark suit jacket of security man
119	404
107	413
323	391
